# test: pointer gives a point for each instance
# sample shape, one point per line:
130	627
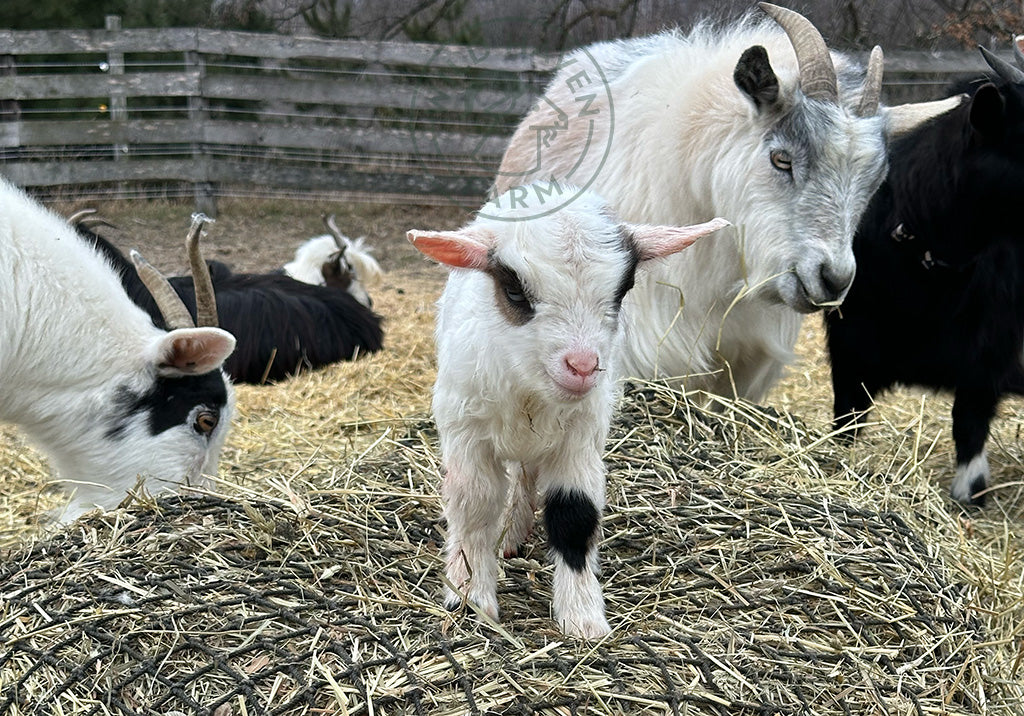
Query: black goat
938	300
281	325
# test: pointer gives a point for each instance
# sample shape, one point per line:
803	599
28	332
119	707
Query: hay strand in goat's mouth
740	578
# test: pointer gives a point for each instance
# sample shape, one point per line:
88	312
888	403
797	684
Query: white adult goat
106	396
675	127
527	340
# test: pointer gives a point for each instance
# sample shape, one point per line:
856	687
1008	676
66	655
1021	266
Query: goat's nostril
581	363
833	283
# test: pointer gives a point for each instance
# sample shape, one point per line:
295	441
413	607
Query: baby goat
102	391
528	334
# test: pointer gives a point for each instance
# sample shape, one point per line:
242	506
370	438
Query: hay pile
733	587
752	565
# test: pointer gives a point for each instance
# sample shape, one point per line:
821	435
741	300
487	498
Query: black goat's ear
988	112
756	78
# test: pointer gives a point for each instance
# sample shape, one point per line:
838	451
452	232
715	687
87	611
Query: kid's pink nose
581	363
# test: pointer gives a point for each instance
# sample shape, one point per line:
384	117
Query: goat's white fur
507	400
686	143
315	252
71	343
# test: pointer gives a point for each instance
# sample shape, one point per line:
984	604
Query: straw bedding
752	565
730	592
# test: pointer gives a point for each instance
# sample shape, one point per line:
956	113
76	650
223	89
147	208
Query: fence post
118	102
203	190
10	109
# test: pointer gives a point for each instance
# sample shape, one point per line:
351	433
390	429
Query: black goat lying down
282	326
938	300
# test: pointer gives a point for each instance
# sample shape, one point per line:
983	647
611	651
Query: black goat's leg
973	409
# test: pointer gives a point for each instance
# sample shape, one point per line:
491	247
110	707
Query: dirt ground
261	235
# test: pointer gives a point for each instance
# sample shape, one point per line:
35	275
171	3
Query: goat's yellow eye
781	160
205	423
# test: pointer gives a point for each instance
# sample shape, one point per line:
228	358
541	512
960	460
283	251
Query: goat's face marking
556	284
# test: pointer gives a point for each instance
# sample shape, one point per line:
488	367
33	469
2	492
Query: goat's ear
756	78
653	242
988	113
465	248
191	351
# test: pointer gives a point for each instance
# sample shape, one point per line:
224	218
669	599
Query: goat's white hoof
486	603
585	627
971	479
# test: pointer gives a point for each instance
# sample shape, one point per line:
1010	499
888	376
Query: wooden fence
146	112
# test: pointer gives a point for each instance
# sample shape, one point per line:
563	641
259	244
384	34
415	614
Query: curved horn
904	117
871	94
95	221
79	215
206	299
1002	68
817	73
339	238
172	308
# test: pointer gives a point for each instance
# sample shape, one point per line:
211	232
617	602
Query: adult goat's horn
1002	68
172	308
871	94
817	73
79	215
903	118
92	222
206	299
332	227
85	219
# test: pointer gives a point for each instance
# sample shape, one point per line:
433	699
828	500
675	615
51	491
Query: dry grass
752	564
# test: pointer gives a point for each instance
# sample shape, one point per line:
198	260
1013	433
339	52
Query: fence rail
210	112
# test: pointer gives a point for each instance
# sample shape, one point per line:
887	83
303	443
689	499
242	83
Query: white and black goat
528	331
334	259
105	394
674	127
282	325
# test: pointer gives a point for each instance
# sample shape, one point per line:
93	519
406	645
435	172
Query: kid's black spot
571	520
170	400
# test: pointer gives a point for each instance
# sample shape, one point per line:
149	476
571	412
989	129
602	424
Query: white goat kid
527	337
790	151
105	395
338	261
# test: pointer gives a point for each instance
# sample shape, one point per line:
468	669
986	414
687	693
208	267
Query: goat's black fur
282	326
938	300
